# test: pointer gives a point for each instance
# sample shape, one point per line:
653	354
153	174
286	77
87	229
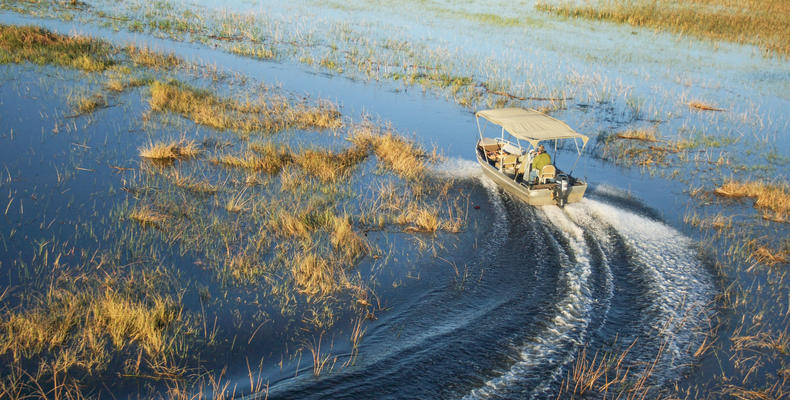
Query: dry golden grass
699	105
147	216
274	114
88	104
175	150
148	58
271	163
763	23
288	225
761	253
32	44
403	157
83	328
639	134
128	322
329	166
191	184
772	199
115	85
314	275
418	219
345	241
237	203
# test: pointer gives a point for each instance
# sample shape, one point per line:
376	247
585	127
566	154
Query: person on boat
538	162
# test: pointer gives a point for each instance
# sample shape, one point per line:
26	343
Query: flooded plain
318	227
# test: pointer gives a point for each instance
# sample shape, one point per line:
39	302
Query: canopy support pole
480	133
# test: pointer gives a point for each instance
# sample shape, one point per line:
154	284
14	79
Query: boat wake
624	276
544	284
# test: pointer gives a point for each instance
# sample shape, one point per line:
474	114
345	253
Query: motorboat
521	169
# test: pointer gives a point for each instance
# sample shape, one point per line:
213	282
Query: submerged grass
763	23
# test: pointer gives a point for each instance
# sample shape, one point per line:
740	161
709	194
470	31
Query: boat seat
547	172
509	161
489	145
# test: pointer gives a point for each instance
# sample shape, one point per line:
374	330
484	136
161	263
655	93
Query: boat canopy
530	125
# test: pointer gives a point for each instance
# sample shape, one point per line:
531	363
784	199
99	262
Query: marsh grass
170	151
761	253
82	324
89	104
146	215
329	166
700	105
267	159
148	58
772	199
315	274
639	134
273	114
763	23
345	241
197	186
399	155
39	46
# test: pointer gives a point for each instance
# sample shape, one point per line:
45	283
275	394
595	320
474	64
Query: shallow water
512	301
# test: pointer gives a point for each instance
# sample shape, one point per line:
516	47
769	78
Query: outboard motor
562	189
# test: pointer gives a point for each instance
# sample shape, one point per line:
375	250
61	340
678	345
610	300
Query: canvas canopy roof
530	125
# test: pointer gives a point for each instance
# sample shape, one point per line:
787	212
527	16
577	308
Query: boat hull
534	197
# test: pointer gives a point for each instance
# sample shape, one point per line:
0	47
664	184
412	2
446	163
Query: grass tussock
192	184
271	160
89	104
761	253
345	241
86	329
147	216
273	115
399	155
638	134
329	166
314	274
417	219
148	58
762	23
175	150
699	105
36	45
772	199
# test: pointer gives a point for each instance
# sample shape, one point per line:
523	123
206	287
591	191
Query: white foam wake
568	325
457	168
679	287
678	290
